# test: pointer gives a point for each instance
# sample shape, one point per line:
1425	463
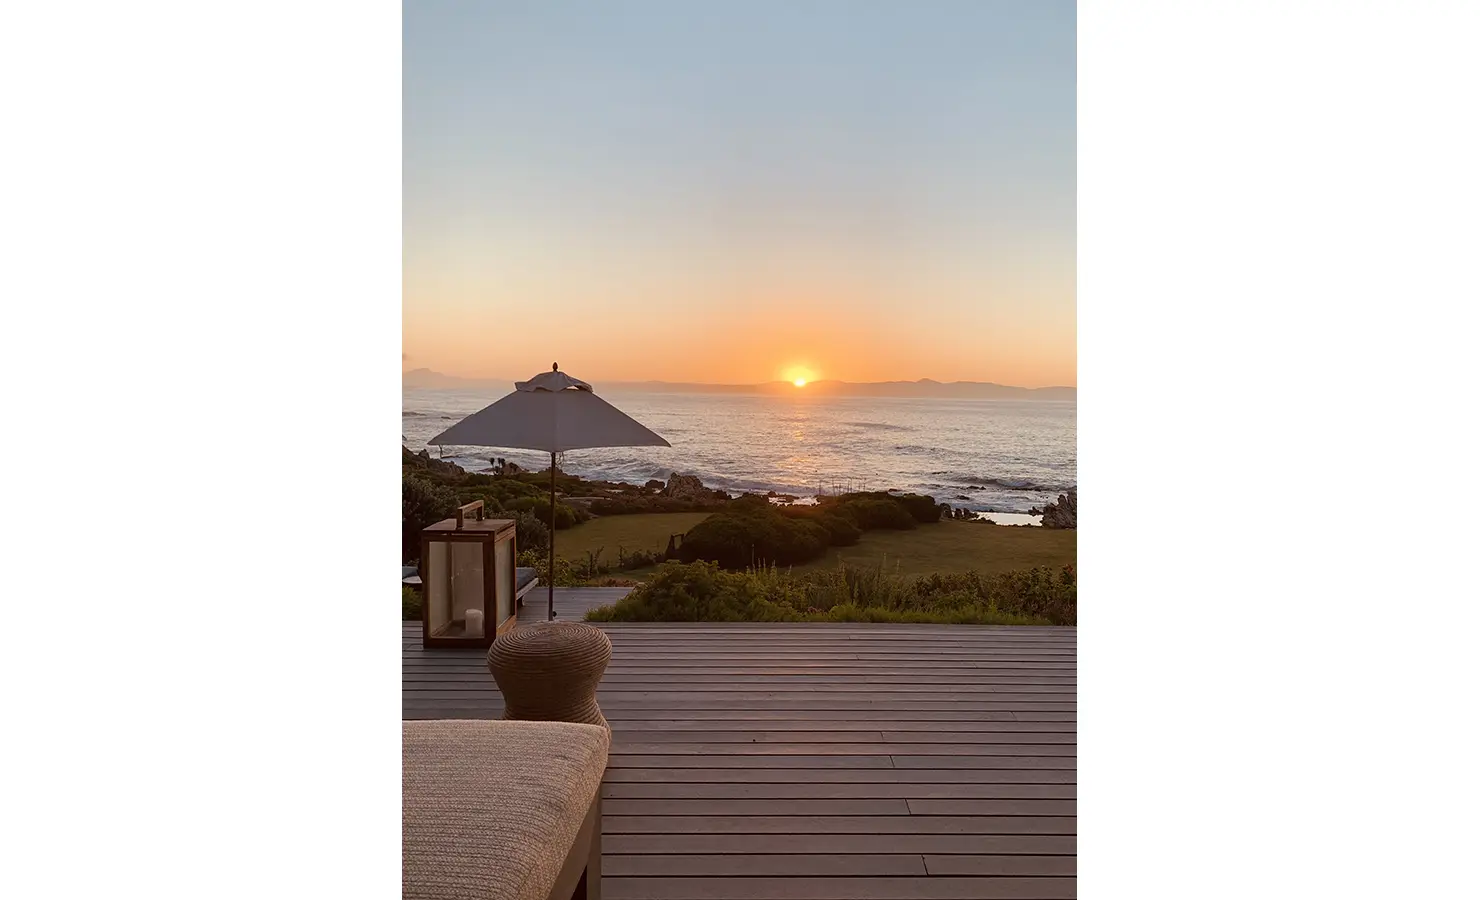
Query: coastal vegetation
902	534
618	544
752	531
955	547
432	489
622	536
704	592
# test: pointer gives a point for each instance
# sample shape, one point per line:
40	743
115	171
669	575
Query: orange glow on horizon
707	344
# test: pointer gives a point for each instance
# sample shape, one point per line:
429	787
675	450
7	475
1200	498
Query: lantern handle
462	511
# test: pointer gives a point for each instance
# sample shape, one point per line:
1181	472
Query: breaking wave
981	483
877	426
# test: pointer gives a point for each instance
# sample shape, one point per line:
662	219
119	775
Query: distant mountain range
925	387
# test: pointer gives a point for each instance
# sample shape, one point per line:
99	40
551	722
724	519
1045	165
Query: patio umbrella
552	412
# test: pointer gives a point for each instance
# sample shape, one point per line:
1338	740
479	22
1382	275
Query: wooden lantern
467	579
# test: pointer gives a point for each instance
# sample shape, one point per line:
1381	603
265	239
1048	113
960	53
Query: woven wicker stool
549	672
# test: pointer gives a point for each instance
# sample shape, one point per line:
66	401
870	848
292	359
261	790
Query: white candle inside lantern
473	622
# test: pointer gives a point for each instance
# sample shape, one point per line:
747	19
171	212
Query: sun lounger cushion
523	578
490	810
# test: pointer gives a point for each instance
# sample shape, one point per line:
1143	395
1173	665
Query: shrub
531	532
565	516
422	503
410	604
923	509
624	506
491	502
701	592
565	576
751	504
638	559
732	541
841	531
806	539
876	512
744	535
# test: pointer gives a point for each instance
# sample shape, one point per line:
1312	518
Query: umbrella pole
552	538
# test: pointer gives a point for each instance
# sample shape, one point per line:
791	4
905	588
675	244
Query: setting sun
799	375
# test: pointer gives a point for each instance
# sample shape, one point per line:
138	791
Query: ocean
990	456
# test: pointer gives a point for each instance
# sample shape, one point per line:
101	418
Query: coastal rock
503	466
686	487
1062	513
654	485
424	460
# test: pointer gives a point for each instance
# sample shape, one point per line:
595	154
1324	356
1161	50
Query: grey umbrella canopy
552	412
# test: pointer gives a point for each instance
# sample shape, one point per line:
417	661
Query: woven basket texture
549	672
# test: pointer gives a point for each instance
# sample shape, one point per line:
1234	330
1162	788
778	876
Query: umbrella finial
554	367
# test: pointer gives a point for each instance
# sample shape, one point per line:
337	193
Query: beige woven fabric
490	810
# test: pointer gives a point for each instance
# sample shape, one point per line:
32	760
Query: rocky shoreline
688	493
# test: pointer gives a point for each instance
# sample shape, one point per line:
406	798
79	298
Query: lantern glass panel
467	590
434	589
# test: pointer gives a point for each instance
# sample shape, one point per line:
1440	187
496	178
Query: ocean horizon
985	455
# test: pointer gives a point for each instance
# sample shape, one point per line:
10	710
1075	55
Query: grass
641	531
946	547
951	547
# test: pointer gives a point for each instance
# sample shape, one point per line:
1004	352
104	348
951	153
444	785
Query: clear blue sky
871	190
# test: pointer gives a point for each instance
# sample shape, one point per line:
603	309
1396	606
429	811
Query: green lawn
956	547
643	531
943	547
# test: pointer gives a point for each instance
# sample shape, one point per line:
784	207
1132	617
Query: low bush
872	507
423	503
565	516
492	503
638	559
923	509
843	532
741	537
565	575
531	532
702	592
753	531
632	505
869	513
410	604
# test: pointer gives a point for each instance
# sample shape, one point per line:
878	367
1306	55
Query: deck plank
838	888
837	824
699	790
747	844
983	864
869	775
799	761
793	865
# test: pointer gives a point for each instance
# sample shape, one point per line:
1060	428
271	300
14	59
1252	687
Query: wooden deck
819	762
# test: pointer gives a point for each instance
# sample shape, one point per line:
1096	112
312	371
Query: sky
740	192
